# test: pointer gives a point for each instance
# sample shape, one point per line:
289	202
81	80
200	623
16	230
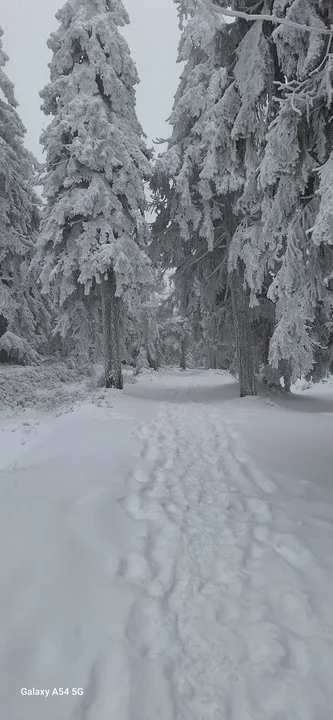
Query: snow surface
169	549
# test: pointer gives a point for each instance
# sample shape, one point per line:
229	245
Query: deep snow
168	549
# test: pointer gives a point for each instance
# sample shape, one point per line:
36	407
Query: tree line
242	198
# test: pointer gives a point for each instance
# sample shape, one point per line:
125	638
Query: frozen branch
25	240
271	18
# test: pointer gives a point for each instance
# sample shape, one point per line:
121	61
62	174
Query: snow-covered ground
168	549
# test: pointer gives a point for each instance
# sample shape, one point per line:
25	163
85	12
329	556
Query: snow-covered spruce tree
24	318
175	339
277	213
141	328
225	170
180	239
296	180
207	178
94	232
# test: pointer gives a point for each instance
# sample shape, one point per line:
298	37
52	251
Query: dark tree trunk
183	365
151	353
240	301
111	316
243	331
3	325
212	359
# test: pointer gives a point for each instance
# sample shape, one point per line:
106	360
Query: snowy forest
215	250
166	359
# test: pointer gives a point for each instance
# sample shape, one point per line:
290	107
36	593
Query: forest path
146	558
235	619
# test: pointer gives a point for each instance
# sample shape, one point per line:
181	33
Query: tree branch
271	18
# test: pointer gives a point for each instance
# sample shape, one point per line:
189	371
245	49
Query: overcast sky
153	38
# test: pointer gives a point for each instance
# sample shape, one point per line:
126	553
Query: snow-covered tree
94	231
180	238
252	127
174	338
141	328
206	181
295	179
24	318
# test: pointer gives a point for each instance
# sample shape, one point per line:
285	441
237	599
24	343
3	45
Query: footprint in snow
292	551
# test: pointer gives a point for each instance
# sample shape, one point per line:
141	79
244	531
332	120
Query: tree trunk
183	365
212	359
3	325
111	314
151	354
243	330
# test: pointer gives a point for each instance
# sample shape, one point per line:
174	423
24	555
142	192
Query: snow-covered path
149	559
235	622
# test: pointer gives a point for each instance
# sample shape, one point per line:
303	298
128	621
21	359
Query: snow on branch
271	18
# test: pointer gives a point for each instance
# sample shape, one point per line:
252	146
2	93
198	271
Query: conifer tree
24	318
206	179
187	236
295	178
94	231
252	128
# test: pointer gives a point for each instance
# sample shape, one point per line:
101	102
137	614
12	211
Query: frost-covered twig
25	240
294	107
160	141
270	18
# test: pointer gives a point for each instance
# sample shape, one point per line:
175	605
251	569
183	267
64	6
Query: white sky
152	36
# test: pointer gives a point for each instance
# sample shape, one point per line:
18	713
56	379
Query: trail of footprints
208	526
